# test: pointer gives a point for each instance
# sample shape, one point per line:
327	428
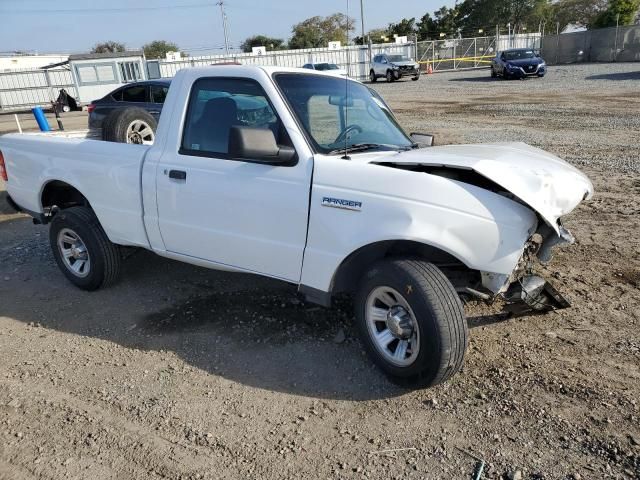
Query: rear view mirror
259	145
340	101
422	139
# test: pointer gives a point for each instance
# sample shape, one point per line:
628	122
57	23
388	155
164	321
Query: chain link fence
621	44
465	53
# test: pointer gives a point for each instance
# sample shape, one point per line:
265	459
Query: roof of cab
238	70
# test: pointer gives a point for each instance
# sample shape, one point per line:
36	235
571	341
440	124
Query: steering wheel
347	130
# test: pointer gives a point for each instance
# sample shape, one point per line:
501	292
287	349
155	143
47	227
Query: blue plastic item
41	119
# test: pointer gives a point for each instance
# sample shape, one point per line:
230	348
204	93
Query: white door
234	212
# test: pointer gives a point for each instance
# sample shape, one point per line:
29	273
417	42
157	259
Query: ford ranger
316	185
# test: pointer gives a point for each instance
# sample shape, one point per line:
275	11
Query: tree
622	12
377	35
159	49
108	47
476	14
426	28
578	12
263	41
404	28
318	31
446	20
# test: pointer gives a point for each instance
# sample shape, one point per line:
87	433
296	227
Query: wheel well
58	195
351	270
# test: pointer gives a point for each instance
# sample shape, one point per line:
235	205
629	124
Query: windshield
340	113
519	54
398	58
326	66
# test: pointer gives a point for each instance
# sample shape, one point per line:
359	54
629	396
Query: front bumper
527	71
408	72
523	290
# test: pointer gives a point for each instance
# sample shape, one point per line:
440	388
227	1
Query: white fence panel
26	89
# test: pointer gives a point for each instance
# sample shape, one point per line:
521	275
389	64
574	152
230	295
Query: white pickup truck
308	178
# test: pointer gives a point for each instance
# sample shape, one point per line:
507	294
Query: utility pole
362	19
224	26
615	44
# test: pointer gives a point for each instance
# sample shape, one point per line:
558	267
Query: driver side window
218	104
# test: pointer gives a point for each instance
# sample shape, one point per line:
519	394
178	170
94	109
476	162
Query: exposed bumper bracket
533	293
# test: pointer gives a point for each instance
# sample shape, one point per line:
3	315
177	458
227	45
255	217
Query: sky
74	26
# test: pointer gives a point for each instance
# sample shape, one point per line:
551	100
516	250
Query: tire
416	78
130	125
493	73
103	260
439	334
373	77
389	76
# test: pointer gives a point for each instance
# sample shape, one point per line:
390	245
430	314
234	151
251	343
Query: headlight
395	67
543	64
510	66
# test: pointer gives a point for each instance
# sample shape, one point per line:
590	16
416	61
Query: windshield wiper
361	147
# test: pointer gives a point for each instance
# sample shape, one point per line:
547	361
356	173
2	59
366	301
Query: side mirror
258	145
422	139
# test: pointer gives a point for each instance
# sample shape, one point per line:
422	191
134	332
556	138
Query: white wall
99	87
23	62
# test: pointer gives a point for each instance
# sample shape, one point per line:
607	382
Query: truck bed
108	173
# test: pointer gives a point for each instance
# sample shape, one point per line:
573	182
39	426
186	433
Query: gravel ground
183	373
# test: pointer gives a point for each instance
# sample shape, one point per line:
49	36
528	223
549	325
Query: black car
518	63
147	95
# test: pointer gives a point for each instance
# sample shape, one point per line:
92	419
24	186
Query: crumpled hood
544	182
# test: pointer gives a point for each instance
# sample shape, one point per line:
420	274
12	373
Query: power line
102	10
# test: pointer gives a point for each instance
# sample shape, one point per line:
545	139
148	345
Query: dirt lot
180	372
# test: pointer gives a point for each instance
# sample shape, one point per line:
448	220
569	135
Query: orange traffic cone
429	69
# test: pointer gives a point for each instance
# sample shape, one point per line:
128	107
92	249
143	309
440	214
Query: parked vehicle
146	96
393	67
518	63
329	68
321	188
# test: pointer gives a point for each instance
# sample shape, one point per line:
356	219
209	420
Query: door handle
178	174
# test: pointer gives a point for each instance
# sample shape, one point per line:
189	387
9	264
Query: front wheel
493	73
82	249
372	76
411	322
390	76
416	78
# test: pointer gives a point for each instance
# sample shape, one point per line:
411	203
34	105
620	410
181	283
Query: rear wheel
493	73
372	76
131	125
82	250
411	322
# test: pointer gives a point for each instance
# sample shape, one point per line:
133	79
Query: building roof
94	56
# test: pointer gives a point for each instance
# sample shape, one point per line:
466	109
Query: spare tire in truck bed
129	125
